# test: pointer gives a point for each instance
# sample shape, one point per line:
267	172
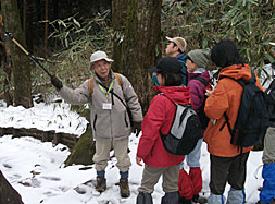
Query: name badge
107	106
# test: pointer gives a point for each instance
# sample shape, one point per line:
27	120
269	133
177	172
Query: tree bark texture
7	194
29	28
119	16
21	66
138	44
5	64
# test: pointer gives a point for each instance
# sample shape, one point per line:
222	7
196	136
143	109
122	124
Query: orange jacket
225	98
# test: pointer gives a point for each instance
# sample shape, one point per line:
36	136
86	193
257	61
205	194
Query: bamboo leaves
251	23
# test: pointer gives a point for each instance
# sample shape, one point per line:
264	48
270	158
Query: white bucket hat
99	55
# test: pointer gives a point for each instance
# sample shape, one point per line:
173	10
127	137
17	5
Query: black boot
144	198
182	200
170	198
195	198
124	188
100	184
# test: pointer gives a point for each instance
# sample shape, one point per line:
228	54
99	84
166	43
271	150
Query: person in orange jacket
228	164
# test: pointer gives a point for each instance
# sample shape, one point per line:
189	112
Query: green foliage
78	39
250	23
73	40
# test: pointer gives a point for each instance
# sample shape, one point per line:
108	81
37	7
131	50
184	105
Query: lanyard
103	90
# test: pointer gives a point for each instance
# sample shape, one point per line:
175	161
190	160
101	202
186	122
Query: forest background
62	35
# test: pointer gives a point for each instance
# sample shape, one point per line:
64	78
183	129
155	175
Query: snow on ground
36	170
45	117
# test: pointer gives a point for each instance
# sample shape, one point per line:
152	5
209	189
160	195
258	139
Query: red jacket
159	118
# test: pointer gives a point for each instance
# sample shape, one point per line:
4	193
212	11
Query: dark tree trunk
29	27
21	65
55	4
139	45
7	194
119	16
5	64
92	7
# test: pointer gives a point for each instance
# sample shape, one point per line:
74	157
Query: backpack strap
228	125
202	80
118	78
90	86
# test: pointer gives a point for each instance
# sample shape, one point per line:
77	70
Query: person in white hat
112	101
176	47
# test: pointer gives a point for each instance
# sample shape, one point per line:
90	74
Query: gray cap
202	58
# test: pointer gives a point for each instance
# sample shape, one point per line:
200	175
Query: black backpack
185	131
270	103
203	118
252	119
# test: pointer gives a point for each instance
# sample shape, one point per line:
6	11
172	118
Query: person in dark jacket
176	47
159	118
267	195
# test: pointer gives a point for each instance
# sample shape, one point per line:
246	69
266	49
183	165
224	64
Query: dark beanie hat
167	65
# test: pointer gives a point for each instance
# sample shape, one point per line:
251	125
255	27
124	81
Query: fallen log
44	136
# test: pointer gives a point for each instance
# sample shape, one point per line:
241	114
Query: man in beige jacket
108	94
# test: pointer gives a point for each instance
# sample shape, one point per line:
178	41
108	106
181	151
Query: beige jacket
107	123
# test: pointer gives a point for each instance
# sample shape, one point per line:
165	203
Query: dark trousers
227	169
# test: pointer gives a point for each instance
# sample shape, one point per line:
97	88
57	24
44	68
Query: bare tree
21	67
5	64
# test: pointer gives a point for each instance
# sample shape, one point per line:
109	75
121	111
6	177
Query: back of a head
201	57
225	54
170	68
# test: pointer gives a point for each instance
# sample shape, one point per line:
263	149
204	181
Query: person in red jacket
159	118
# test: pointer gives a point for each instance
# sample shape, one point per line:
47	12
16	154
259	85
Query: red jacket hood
179	94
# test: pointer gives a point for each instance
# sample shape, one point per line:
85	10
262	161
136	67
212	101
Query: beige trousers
150	176
102	155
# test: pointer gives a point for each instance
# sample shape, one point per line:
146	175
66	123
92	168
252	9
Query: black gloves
56	82
136	127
